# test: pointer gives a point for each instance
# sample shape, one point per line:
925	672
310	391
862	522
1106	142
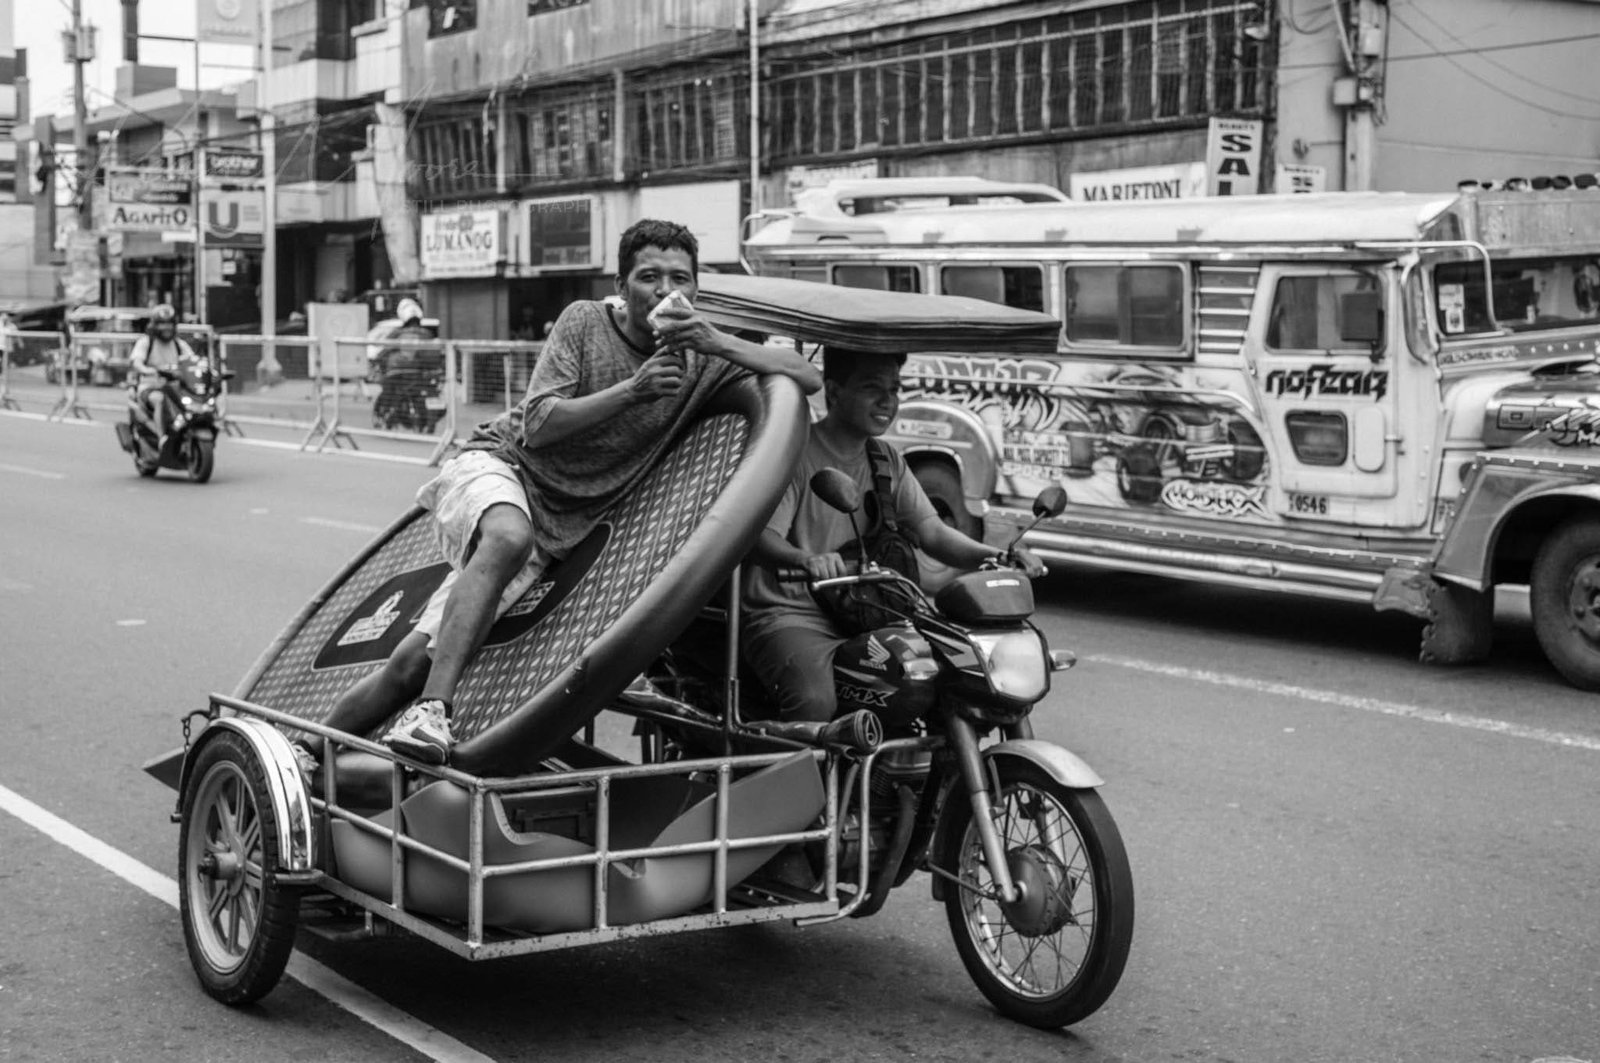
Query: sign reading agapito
462	243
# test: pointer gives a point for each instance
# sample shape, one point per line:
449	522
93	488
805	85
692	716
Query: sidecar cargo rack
501	891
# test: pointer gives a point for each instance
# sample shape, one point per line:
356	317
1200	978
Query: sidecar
542	833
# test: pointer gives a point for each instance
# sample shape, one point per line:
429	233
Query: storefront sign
235	165
1233	157
1179	181
149	218
1294	178
561	233
149	186
228	21
463	243
234	219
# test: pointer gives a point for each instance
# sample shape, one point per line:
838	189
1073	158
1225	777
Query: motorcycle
547	831
409	398
1021	849
190	389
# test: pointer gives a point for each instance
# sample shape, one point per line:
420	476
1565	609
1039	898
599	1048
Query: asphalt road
1339	854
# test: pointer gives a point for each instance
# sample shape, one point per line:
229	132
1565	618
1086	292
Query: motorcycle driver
159	346
404	370
788	640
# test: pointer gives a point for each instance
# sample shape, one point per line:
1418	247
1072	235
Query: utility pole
755	109
269	175
80	51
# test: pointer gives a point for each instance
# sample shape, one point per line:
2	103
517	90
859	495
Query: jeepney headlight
1013	660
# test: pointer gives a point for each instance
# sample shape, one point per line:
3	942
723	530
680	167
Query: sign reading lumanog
462	243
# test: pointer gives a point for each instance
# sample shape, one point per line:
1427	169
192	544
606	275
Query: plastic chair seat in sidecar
785	797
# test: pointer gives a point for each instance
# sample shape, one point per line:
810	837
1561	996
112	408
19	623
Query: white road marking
342	525
42	474
1351	701
410	1031
134	622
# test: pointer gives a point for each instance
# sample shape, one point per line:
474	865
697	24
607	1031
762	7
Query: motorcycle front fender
1062	765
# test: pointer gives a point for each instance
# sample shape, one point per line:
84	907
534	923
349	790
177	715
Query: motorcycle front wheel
201	459
1052	957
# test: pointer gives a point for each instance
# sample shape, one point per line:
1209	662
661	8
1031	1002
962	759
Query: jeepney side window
1018	286
880	278
1309	313
1134	306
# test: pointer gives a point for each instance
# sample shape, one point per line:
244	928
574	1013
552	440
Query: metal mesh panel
649	528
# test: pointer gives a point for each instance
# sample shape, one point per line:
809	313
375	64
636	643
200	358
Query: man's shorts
467	485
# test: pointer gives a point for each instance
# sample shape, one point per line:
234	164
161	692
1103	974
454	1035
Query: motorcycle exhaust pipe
859	732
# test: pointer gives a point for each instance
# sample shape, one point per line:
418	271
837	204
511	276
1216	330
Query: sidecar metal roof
873	320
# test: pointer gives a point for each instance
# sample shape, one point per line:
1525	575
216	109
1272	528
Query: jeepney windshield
1528	294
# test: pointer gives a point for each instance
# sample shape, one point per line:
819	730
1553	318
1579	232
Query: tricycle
543	834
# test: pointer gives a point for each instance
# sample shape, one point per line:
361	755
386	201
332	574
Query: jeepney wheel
1139	473
1564	597
942	485
238	922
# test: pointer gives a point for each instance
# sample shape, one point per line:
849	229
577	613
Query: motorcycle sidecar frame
472	936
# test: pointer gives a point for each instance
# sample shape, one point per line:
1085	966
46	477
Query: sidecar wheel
238	922
202	458
1053	957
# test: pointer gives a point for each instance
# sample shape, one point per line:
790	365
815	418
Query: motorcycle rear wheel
1054	957
202	459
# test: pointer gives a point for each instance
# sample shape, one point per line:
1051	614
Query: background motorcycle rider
788	640
159	346
404	371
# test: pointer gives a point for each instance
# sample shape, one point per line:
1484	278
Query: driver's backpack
890	544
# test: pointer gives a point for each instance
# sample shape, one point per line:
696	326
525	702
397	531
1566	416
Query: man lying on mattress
608	394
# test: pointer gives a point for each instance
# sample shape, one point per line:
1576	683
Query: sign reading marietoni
462	243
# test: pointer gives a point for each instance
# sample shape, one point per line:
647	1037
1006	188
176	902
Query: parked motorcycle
1021	849
190	389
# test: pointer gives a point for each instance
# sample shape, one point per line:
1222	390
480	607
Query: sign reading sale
1233	157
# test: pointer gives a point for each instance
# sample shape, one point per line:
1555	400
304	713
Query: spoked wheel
238	923
201	459
1053	956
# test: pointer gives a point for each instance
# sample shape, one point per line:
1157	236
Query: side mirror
837	489
1051	501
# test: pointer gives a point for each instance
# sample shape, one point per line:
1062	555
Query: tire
238	923
1249	458
1139	476
942	485
1564	597
201	458
1055	957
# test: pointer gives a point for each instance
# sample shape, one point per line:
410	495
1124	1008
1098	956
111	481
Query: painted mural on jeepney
1127	436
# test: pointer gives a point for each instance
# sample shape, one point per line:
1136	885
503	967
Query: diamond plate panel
649	527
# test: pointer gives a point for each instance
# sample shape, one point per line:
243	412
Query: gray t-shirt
817	528
572	481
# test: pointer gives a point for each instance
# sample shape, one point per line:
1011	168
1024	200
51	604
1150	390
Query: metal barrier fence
327	393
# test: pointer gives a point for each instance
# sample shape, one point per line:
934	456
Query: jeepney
1390	398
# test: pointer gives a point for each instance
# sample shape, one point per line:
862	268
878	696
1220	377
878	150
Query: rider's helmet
409	312
163	321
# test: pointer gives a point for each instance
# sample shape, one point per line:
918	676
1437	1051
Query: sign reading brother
461	243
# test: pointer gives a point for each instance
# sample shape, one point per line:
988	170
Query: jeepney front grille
1222	308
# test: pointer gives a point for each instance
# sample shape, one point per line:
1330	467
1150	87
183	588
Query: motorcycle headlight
1014	662
186	400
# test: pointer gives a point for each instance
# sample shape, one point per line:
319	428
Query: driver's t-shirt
572	481
149	351
817	528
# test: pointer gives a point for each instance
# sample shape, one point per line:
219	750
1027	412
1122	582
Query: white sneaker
422	733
